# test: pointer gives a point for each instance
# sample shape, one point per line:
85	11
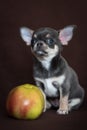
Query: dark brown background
16	58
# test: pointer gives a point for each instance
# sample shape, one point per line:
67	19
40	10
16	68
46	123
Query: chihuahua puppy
52	74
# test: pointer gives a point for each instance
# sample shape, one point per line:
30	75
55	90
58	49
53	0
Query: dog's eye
33	41
49	41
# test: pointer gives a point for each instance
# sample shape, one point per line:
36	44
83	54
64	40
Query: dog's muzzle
40	49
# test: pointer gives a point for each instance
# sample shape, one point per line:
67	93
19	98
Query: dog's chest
49	89
46	64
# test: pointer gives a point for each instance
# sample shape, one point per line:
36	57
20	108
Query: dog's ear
26	34
65	34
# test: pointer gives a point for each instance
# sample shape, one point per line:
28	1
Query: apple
25	102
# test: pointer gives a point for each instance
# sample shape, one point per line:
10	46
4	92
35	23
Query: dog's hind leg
74	103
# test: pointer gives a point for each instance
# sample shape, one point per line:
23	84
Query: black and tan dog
51	71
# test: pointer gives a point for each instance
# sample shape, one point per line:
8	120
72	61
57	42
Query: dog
52	74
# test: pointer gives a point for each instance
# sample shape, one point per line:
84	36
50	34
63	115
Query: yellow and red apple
25	102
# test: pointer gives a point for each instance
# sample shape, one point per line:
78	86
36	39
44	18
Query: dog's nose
39	44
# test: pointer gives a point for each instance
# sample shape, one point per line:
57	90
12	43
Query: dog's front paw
62	111
47	106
